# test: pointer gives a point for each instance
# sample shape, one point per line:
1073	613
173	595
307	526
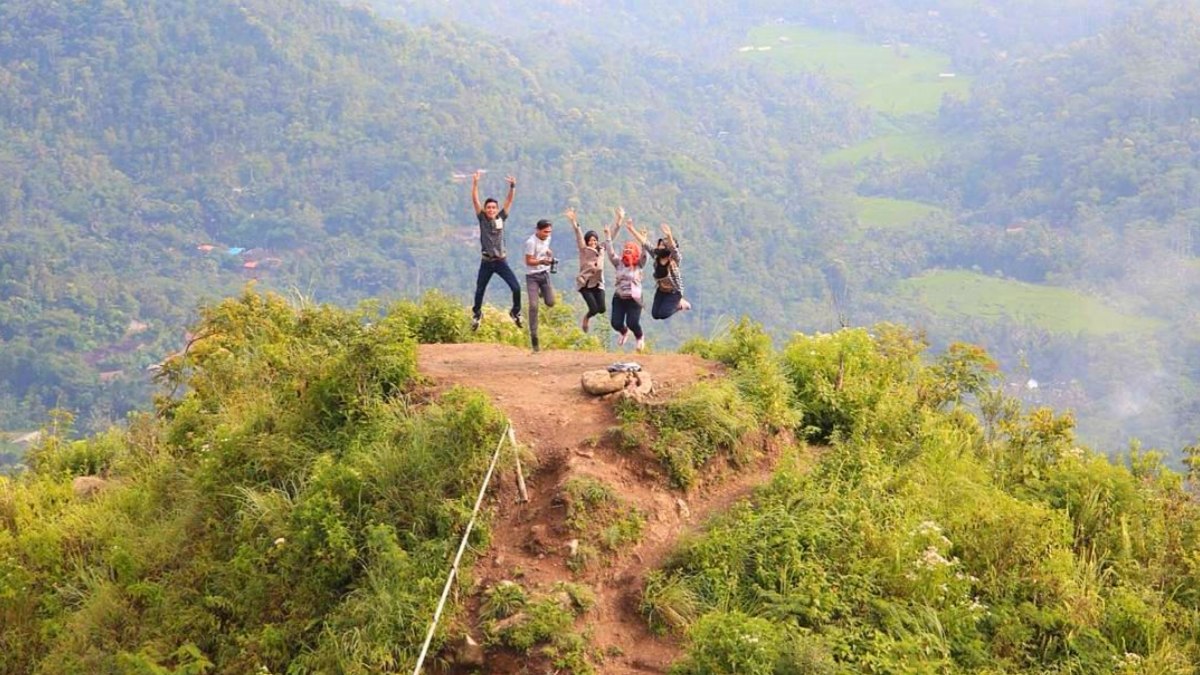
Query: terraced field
959	293
886	213
896	79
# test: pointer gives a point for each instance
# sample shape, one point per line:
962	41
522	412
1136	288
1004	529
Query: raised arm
641	237
668	235
570	214
608	234
616	226
475	192
671	244
512	190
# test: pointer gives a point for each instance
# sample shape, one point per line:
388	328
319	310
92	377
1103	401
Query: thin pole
437	615
512	440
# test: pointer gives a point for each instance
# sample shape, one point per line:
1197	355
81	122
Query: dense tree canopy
315	147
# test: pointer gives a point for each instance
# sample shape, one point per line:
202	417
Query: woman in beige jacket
590	280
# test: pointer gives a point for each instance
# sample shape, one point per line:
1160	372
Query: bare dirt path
567	431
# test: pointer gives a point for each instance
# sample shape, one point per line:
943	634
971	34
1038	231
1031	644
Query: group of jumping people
540	263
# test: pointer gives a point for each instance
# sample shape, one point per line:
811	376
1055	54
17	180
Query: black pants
665	304
627	315
486	269
594	297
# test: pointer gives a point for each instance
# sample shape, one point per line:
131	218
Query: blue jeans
665	304
626	315
486	269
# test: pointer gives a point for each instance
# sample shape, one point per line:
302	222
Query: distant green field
957	293
10	453
894	79
885	213
912	147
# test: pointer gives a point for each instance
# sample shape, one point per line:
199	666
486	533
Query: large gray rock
603	383
468	653
88	486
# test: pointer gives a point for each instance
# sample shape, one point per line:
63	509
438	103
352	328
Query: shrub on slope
291	506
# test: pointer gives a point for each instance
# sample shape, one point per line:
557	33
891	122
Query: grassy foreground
293	501
944	530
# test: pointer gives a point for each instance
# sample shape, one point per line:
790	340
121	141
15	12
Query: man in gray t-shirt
491	240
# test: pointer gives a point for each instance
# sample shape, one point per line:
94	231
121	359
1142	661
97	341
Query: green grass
957	293
886	213
895	79
919	147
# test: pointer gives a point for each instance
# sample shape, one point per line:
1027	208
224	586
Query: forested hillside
1001	182
1080	168
159	153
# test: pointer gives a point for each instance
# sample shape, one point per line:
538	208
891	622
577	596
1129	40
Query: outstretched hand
637	234
511	180
570	214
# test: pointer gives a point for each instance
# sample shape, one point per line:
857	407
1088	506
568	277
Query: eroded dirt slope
567	430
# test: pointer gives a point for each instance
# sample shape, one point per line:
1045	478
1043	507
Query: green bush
668	603
693	427
543	620
925	541
758	372
732	642
631	431
291	508
436	318
583	598
502	600
595	511
55	455
841	379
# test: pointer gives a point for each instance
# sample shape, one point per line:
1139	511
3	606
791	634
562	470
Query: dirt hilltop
567	431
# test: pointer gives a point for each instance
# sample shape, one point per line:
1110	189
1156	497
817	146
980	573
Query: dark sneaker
475	323
516	317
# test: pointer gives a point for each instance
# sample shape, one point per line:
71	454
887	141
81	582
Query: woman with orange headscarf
627	294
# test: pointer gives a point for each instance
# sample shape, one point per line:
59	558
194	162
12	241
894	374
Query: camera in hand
554	266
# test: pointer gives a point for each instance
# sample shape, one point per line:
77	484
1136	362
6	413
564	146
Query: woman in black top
668	282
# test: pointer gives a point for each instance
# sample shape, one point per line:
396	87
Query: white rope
437	615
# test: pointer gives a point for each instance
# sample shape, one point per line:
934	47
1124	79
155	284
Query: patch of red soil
566	429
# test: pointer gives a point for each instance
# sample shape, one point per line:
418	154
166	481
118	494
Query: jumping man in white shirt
539	264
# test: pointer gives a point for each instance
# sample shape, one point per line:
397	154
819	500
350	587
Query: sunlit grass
886	213
896	79
958	293
911	147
